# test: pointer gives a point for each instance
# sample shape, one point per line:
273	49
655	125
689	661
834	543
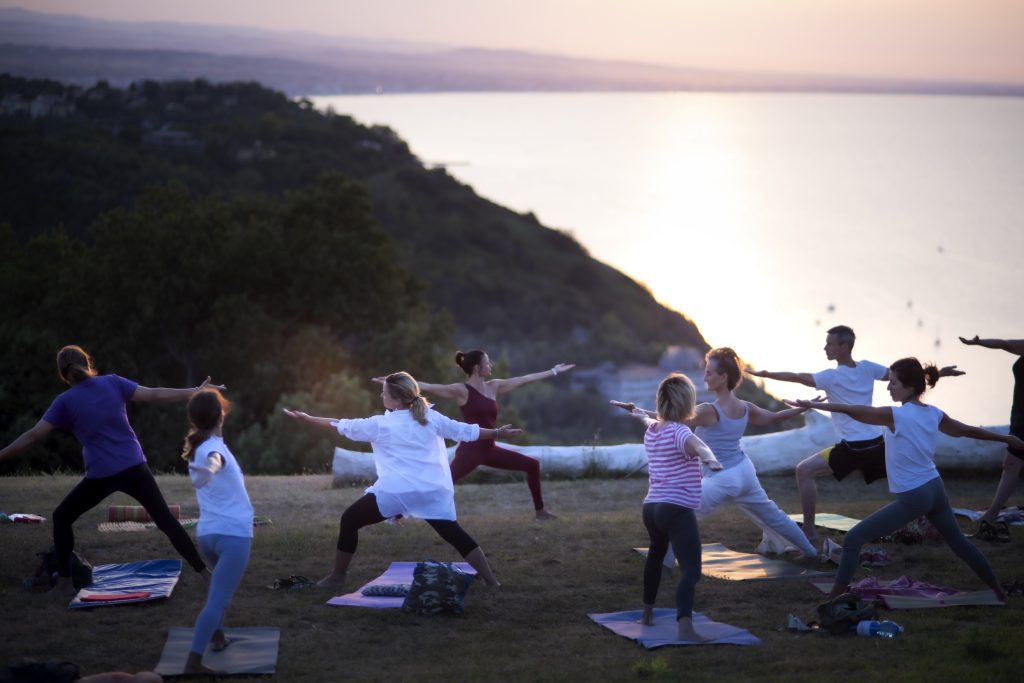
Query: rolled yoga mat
136	513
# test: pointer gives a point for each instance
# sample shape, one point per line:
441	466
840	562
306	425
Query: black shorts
848	456
1017	429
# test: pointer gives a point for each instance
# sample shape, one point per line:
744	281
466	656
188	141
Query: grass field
533	628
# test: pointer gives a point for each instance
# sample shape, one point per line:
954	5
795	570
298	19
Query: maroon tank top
479	409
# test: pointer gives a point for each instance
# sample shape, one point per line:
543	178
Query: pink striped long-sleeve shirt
675	475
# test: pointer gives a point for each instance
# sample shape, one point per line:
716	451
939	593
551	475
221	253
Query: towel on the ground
146	580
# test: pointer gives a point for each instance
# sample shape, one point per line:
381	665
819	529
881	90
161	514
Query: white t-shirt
852	386
224	506
413	475
910	448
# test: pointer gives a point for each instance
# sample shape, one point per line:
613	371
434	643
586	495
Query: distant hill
306	323
513	285
81	50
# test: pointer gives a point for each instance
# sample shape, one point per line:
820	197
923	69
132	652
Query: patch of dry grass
535	627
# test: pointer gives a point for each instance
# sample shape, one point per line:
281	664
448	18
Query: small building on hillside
637	383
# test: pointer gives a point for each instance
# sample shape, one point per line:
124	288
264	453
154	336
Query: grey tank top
723	437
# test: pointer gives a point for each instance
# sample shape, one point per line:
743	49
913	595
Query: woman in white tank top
911	431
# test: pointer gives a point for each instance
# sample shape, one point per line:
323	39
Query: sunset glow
929	39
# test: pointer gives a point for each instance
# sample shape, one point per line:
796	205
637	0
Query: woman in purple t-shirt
93	409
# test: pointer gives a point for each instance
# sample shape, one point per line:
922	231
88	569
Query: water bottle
883	629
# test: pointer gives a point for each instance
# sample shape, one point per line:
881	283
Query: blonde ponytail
404	389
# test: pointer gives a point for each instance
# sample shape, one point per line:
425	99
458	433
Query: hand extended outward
505	431
561	367
804	403
326	422
628	407
208	384
756	373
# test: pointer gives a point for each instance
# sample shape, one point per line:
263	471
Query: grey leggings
929	500
667	523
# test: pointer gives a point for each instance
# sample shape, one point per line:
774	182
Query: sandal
293	581
993	533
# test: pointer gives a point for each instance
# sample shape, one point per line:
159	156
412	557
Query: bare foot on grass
543	515
331	582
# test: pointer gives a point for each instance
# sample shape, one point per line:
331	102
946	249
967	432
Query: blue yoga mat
663	631
155	577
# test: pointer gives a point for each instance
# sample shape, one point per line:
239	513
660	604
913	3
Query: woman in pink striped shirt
674	456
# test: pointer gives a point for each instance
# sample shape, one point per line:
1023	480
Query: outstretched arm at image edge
1014	346
39	432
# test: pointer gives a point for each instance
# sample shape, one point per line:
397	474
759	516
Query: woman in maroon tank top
477	401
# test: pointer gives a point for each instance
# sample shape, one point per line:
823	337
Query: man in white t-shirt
858	446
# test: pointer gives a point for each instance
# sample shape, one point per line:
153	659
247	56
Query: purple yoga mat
397	574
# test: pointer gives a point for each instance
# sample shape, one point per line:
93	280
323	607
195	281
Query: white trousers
739	485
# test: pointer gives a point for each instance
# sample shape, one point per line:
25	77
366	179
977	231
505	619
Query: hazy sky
943	39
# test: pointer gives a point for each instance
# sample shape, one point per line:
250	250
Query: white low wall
776	453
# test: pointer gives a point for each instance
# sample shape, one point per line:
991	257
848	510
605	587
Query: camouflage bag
437	587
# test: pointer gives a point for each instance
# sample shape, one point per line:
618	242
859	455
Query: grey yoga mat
252	651
663	631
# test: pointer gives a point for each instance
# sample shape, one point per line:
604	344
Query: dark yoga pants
471	454
365	512
668	523
138	482
929	500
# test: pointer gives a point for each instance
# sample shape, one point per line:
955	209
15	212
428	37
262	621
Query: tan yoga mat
720	562
188	523
136	513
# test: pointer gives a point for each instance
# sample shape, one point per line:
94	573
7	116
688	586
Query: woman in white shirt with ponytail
413	475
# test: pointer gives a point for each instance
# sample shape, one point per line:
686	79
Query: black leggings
365	512
672	524
138	482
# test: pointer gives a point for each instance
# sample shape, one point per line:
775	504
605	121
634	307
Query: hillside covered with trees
183	229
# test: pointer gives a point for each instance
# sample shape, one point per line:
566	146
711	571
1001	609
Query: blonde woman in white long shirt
413	475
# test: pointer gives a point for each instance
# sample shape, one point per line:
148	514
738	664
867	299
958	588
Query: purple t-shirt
93	410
